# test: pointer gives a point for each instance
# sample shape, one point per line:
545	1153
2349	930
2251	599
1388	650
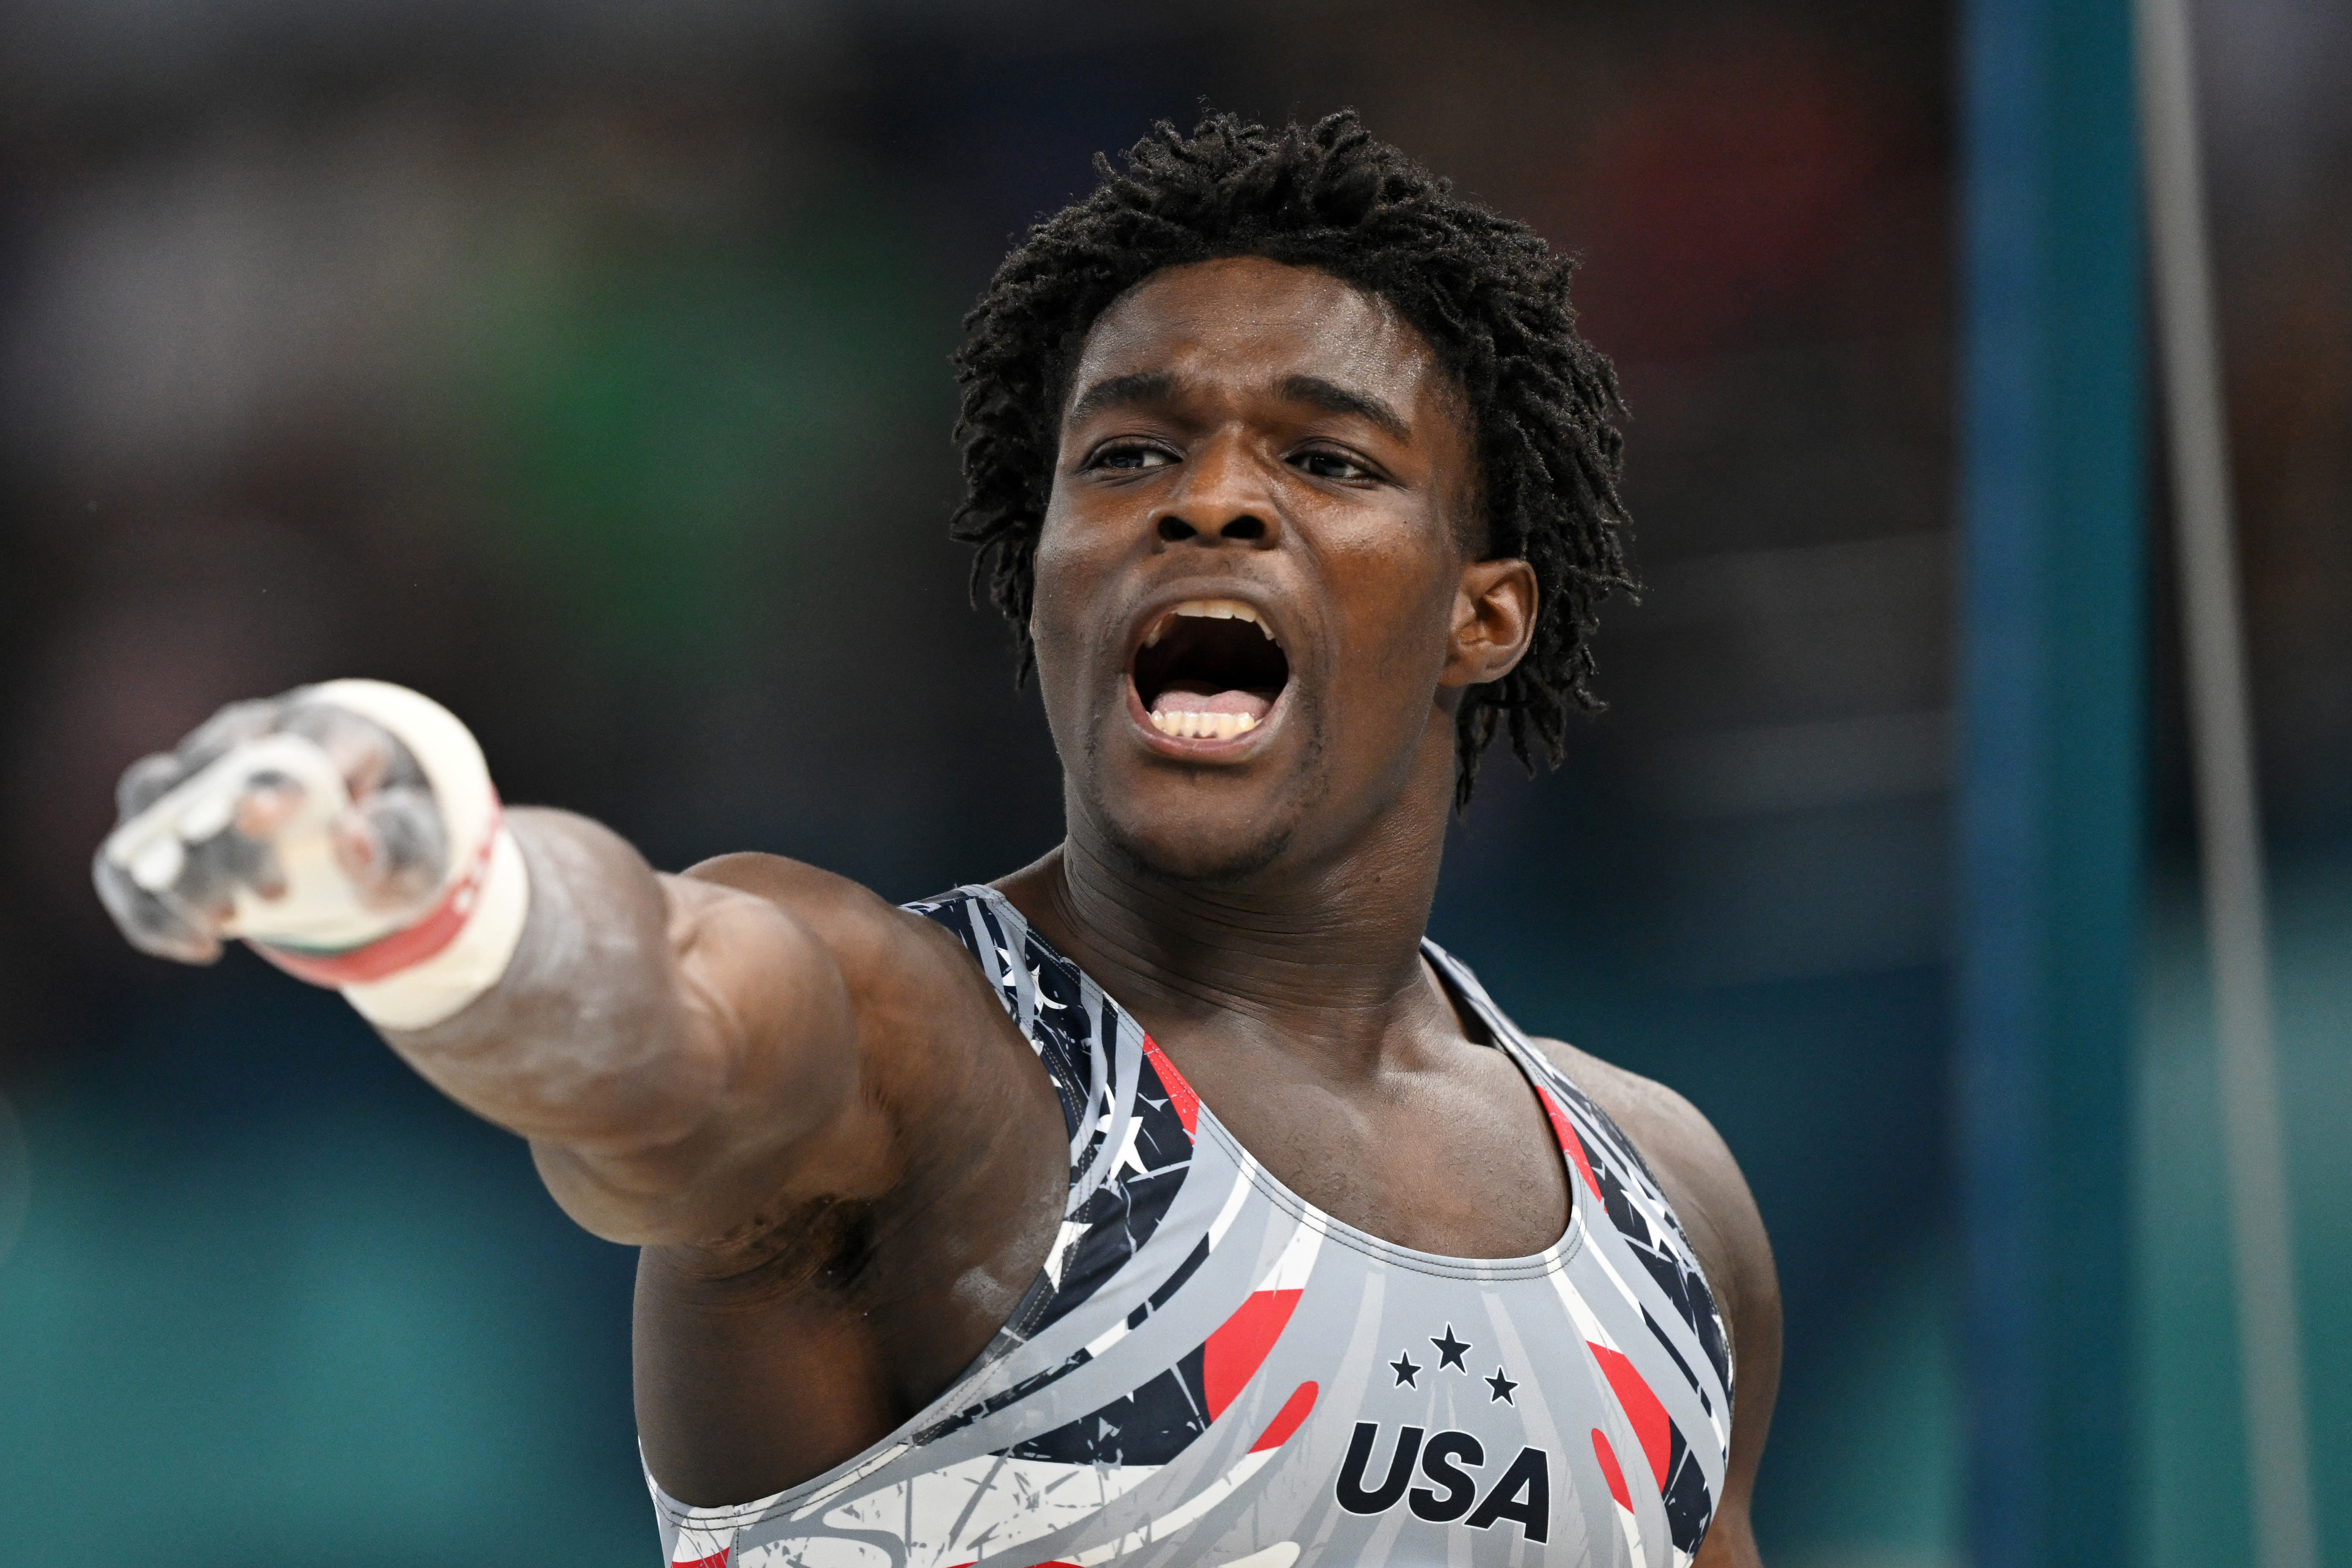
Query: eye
1129	455
1325	464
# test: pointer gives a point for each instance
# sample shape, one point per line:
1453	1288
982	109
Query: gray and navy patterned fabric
1210	1370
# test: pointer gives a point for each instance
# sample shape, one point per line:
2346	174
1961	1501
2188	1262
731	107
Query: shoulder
868	936
934	1045
793	885
930	1027
1703	1182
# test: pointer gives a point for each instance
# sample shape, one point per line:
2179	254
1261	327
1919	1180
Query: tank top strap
1610	1167
1130	1117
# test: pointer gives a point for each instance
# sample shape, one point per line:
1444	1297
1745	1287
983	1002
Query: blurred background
585	366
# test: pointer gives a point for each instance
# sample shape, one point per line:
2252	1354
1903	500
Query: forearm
585	1039
670	1045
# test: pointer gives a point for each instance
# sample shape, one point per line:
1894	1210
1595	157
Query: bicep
763	1070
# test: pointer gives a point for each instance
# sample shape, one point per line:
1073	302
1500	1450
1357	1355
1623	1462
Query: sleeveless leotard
1210	1370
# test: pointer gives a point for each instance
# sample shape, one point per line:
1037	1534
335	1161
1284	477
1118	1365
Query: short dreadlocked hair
1489	295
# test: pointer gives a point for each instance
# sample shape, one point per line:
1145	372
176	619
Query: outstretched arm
676	1049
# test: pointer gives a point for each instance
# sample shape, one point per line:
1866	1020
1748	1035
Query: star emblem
1406	1370
1450	1350
1037	979
1501	1387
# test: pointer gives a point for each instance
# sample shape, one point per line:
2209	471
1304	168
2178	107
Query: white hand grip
319	906
153	845
406	970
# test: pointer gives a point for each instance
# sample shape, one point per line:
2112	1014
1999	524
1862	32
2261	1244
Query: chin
1211	854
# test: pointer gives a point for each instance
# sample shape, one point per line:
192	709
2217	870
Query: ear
1494	620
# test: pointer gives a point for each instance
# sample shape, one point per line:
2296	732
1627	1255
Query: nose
1225	496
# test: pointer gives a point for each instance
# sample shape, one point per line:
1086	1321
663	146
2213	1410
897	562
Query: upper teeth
1205	726
1212	609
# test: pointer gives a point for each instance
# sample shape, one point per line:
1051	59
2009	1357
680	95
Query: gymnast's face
1257	602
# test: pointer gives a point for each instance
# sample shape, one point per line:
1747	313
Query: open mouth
1209	669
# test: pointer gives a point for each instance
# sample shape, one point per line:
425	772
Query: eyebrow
1121	391
1333	398
1153	386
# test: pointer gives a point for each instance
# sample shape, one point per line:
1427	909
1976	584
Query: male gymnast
1173	1200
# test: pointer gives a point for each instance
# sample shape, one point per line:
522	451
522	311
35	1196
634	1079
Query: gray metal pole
2270	1342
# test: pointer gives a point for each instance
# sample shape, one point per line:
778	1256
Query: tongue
1181	698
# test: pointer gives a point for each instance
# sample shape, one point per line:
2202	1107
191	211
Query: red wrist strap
403	949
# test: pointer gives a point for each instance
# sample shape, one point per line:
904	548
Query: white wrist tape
429	969
439	987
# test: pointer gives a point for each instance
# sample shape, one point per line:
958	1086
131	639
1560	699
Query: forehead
1254	321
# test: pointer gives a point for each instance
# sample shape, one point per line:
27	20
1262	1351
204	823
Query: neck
1322	957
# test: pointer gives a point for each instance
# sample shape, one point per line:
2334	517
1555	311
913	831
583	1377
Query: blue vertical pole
2051	670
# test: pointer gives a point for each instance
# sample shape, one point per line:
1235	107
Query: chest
1454	1157
1289	1321
1247	1380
